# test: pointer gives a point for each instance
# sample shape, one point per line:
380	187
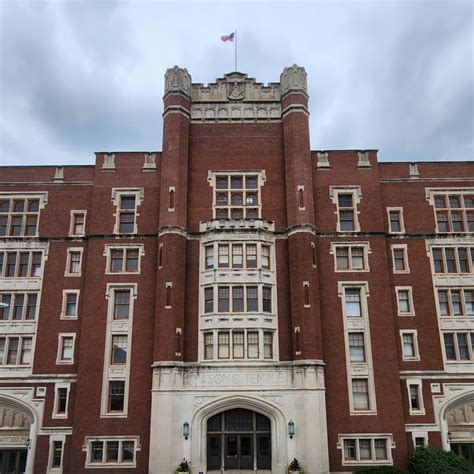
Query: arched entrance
15	425
239	439
460	419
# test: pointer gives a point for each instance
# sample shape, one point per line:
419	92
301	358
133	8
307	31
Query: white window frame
87	447
63	314
390	445
403	247
416	350
71	224
52	439
366	251
117	194
43	200
70	250
124	247
55	414
410	300
402	220
430	197
419	384
261	178
61	336
356	192
111	372
419	434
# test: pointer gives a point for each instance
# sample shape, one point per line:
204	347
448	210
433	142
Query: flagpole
235	50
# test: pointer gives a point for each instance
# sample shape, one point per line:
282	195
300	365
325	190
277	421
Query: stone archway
459	416
17	423
277	437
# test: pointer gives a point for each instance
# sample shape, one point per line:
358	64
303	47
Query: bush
382	470
432	460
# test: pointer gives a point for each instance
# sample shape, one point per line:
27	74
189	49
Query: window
208	345
77	227
360	394
237	196
73	263
252	301
238	344
366	450
70	304
123	259
19	215
420	442
126	202
453	259
251	256
20	264
56	454
456	302
268	345
121	304
306	294
16	350
237	256
350	257
66	349
252	345
405	301
61	401
267	299
265	257
116	396
459	346
395	220
223	256
357	347
238	299
209	249
400	259
21	306
223	299
414	397
223	345
346	200
353	307
111	452
409	345
454	210
119	349
209	300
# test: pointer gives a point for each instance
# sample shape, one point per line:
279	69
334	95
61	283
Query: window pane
349	449
238	344
380	448
252	298
132	260
119	349
408	345
342	258
365	450
353	303
223	345
449	347
356	347
237	256
12	354
122	304
128	450
360	394
251	256
237	299
208	345
209	300
112	451
31	306
223	299
267	299
116	395
252	345
97	451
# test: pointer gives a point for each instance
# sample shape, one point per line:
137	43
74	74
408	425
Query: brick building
235	299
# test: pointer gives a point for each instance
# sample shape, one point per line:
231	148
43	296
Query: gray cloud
78	77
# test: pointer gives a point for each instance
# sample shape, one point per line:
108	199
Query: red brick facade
173	196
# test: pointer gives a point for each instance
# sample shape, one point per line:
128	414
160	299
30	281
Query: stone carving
323	159
109	161
414	173
235	90
11	417
293	79
363	159
461	415
58	174
150	161
177	80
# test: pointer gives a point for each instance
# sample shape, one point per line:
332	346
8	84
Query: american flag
228	37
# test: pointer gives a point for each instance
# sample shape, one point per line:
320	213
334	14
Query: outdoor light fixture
291	429
28	442
186	430
450	436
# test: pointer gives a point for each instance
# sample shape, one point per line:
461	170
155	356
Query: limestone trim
54	438
399	211
68	271
417	385
356	192
390	444
87	447
416	351
73	214
117	194
124	248
404	249
349	246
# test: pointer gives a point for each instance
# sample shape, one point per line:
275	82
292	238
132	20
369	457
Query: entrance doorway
13	461
239	439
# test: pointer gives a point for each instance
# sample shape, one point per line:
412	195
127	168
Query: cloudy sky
83	76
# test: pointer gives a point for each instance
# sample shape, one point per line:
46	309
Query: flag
228	37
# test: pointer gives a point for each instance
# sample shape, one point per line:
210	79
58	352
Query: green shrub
432	460
382	470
